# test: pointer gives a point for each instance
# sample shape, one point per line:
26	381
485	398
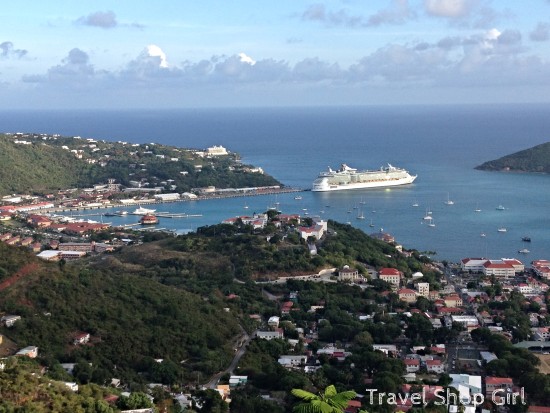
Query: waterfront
442	145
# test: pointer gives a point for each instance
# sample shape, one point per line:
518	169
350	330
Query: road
243	340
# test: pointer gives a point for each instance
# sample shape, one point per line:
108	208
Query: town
463	326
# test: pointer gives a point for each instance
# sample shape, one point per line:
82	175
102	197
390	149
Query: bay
441	145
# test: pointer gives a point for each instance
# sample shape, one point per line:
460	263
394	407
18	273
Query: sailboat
415	204
245	206
360	215
428	216
371	224
431	223
449	201
477	209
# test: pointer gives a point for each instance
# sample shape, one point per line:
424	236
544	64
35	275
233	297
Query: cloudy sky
219	53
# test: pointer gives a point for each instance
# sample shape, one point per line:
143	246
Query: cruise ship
351	178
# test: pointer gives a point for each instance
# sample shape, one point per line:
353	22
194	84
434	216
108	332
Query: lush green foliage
536	159
56	168
328	401
132	320
22	389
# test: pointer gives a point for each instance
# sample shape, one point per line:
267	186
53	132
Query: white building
472	264
270	335
423	289
167	197
216	151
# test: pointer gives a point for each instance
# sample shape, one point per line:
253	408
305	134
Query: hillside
37	168
179	299
131	319
536	159
36	163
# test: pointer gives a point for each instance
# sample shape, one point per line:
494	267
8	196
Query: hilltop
40	163
535	159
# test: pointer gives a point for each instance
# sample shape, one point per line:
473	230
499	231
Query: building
541	333
236	380
348	274
541	268
492	384
412	365
466	385
390	275
216	151
271	335
71	255
435	366
10	320
470	322
50	255
30	351
317	230
273	321
472	264
290	361
167	197
407	295
423	289
499	269
81	338
453	300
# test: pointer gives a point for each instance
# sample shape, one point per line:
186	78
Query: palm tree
328	401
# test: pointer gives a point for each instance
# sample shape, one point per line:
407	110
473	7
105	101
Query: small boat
526	239
449	201
298	197
501	229
524	251
143	211
482	234
500	208
149	219
415	204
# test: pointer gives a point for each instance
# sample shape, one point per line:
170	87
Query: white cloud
156	52
247	59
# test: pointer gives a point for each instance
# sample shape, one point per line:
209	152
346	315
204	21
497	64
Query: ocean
440	144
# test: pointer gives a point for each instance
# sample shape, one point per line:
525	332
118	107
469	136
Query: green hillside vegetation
23	389
132	320
47	164
37	168
536	159
165	299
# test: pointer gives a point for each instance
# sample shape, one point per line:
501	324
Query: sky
66	54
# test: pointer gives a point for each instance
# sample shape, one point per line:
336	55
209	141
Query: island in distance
535	159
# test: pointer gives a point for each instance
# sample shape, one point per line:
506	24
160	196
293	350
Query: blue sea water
440	144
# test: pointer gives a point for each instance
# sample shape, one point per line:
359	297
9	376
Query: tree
329	401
